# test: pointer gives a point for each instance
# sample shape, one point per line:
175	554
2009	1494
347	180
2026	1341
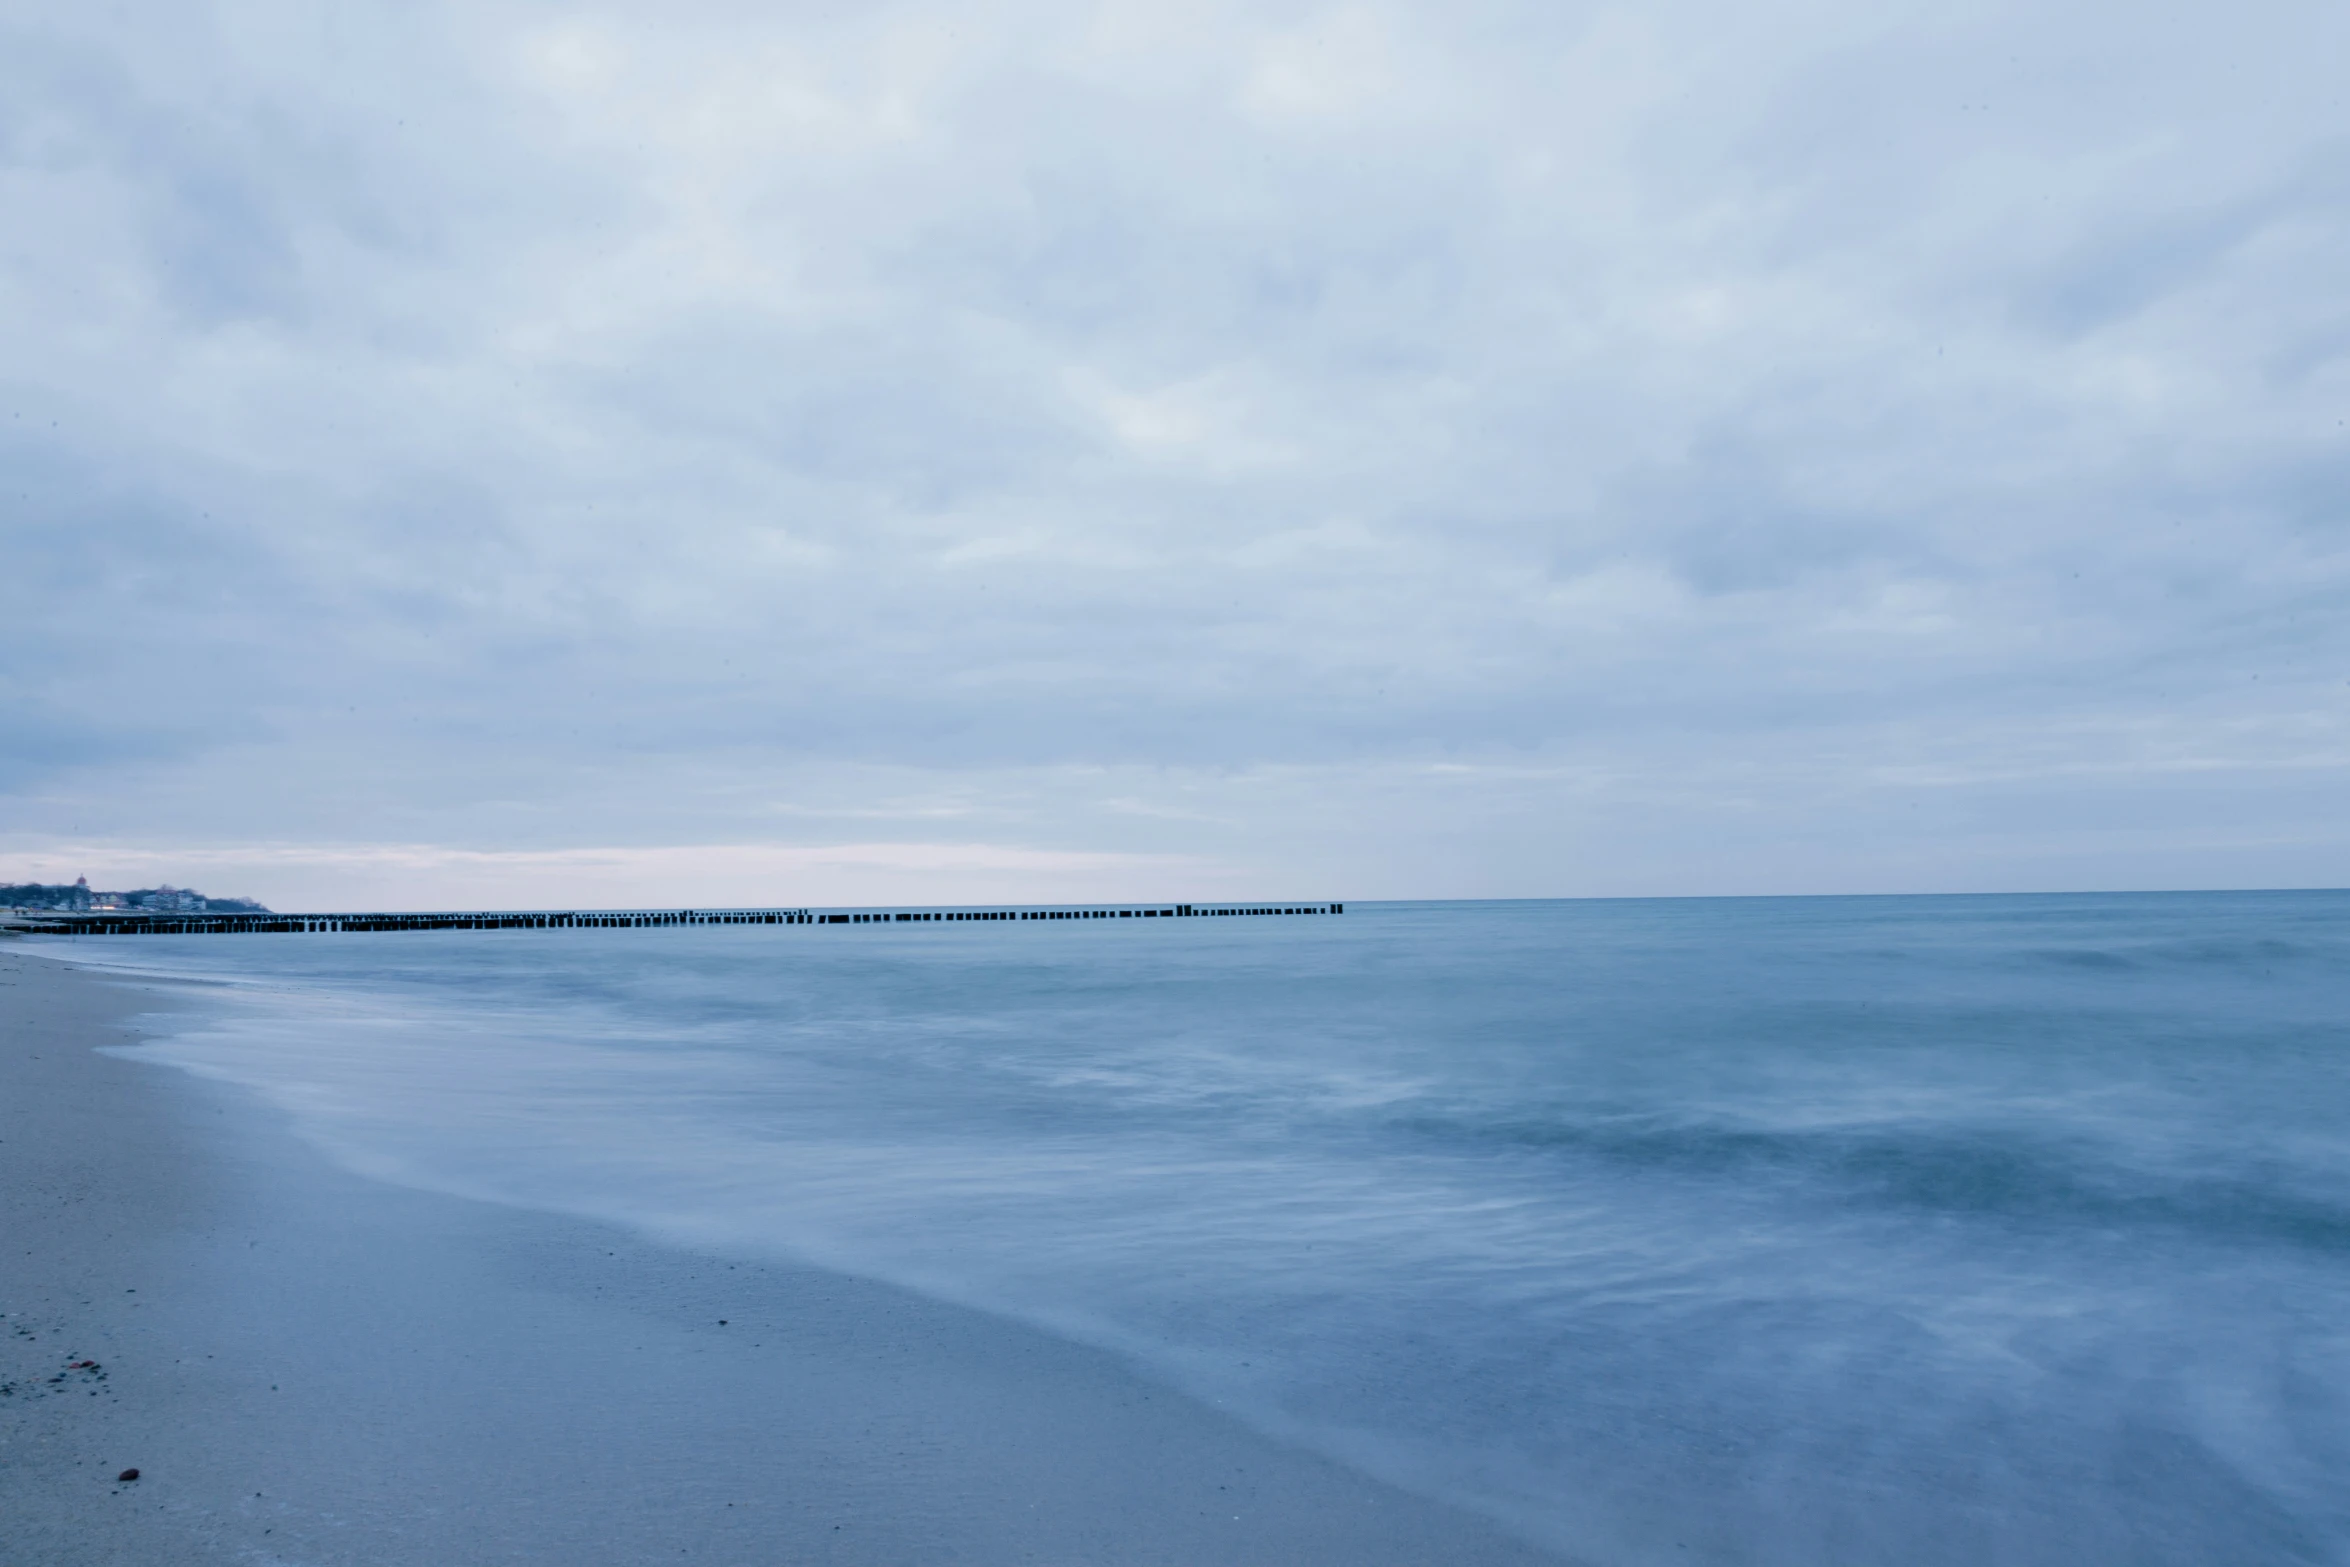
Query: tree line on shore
80	897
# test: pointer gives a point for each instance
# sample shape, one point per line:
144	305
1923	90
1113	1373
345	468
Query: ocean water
1875	1230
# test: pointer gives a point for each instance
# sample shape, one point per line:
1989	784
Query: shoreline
309	1366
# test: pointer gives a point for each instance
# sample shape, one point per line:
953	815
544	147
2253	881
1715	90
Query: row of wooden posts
111	923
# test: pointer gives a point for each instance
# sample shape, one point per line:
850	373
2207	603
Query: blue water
1887	1230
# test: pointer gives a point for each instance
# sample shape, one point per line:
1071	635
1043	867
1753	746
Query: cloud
1175	431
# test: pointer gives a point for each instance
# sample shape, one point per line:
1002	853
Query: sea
1911	1230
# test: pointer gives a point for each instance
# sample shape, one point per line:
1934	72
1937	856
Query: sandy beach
307	1366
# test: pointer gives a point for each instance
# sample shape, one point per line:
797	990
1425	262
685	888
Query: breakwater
133	923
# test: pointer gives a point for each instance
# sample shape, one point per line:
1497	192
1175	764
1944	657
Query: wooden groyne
132	923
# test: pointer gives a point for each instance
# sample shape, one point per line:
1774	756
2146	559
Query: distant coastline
81	898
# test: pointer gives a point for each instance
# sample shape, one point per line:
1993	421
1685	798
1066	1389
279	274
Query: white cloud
514	422
1337	65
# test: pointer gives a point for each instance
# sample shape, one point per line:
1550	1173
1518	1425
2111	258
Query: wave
1973	1172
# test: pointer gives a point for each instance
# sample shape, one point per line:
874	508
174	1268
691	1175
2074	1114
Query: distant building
79	899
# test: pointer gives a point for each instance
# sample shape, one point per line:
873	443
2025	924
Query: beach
1739	1233
308	1366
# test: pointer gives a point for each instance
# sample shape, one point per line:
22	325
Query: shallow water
1765	1231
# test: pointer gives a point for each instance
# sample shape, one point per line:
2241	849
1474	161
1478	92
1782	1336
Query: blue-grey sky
515	454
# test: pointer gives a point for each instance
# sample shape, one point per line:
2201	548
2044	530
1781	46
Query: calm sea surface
1874	1230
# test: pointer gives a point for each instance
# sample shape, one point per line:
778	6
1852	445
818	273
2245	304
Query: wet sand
309	1367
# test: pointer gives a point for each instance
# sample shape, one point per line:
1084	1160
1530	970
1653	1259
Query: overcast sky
497	454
